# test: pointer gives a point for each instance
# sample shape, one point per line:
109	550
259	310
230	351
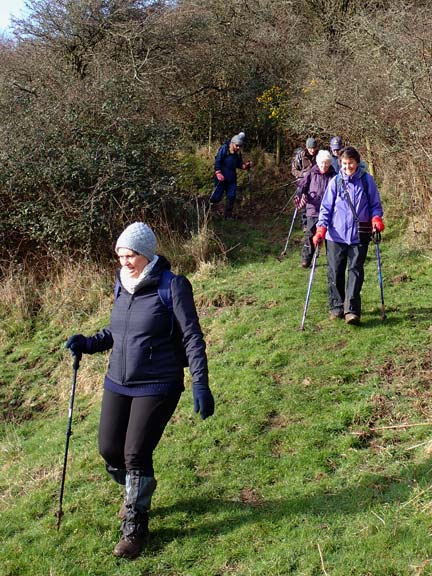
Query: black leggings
131	427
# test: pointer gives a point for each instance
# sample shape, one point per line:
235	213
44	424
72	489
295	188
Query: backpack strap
164	289
117	289
365	189
365	185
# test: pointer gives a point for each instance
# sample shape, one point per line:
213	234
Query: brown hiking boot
336	314
131	546
352	319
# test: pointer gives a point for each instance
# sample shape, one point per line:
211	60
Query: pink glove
377	224
300	201
320	233
219	176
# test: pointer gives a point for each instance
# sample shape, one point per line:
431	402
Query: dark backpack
165	295
296	161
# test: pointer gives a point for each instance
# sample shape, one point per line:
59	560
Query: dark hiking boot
134	514
131	546
305	264
228	212
352	319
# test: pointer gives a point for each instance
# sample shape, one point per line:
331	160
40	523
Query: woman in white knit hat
153	333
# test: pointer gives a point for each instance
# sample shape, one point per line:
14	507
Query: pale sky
9	8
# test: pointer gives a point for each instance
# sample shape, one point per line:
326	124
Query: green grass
294	474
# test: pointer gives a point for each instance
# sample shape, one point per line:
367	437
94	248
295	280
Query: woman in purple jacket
309	193
350	211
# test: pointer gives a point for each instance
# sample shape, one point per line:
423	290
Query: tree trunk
369	157
278	147
210	131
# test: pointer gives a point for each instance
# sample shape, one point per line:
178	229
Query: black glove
203	400
77	344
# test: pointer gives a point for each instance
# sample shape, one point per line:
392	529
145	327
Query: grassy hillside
317	458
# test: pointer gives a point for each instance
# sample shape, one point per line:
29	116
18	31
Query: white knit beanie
140	238
238	139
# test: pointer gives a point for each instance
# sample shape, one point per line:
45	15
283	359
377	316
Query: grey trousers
345	296
308	248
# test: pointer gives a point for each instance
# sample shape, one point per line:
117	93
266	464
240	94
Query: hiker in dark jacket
350	211
302	162
149	334
309	194
335	149
227	160
304	159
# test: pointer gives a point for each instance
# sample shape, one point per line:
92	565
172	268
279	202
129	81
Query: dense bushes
102	104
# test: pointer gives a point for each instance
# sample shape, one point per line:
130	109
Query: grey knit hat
140	238
311	143
238	139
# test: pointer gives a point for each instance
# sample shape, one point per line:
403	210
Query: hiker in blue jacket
154	328
227	160
350	211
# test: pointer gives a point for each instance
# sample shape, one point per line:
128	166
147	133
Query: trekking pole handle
376	235
76	361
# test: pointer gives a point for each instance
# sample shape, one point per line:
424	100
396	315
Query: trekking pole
376	237
76	361
290	183
282	254
309	289
287	204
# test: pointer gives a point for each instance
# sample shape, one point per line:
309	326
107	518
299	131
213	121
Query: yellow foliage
274	101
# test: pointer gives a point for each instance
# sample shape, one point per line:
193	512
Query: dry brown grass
58	293
78	288
201	250
19	292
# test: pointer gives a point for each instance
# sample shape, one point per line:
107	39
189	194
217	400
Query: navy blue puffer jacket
148	341
228	163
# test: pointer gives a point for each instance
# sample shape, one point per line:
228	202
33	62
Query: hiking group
342	208
339	203
154	330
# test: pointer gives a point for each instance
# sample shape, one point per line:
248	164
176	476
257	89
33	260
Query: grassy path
305	468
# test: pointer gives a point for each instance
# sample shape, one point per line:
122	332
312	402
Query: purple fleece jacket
335	212
313	185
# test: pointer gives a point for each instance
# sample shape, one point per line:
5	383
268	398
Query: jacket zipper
126	330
